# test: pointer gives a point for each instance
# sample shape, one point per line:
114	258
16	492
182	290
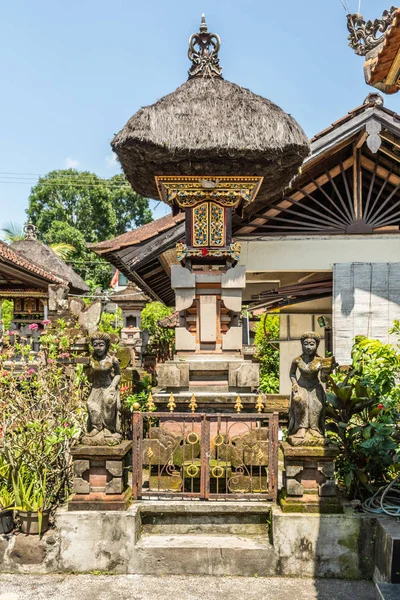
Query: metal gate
208	456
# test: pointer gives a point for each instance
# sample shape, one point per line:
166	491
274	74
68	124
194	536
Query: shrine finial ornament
30	231
367	35
203	52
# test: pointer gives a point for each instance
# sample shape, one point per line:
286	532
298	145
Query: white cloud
71	163
111	161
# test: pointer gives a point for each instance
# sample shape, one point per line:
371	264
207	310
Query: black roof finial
203	52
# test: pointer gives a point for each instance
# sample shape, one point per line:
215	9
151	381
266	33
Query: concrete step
388	591
204	555
218	387
246	523
203	541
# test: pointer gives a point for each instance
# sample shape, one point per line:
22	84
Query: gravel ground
143	587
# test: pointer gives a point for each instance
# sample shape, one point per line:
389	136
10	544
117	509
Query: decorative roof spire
364	35
30	231
203	52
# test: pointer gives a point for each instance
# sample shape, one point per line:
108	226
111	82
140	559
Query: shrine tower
212	150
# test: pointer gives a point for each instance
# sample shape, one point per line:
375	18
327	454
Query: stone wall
230	538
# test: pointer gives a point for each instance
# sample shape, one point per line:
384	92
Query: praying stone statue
104	405
308	399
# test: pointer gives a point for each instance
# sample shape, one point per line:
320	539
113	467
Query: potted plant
6	510
30	499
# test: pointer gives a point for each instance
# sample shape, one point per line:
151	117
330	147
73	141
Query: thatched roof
44	256
210	126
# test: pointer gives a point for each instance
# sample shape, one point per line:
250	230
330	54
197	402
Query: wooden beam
362	138
388	152
152	272
357	184
24	275
380	171
296	196
390	138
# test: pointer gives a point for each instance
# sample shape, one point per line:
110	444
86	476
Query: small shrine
211	150
39	290
131	301
379	42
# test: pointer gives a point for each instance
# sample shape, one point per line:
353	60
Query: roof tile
10	256
139	235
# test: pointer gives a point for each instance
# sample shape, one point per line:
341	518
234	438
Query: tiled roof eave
16	260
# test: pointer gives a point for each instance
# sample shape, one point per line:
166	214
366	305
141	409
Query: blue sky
74	71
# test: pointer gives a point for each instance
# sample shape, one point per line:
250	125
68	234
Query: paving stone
136	587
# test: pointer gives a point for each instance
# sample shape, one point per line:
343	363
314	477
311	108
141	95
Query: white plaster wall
317	253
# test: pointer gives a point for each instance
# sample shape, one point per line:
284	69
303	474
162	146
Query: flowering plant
42	413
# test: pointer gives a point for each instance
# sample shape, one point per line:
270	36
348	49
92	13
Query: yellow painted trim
394	73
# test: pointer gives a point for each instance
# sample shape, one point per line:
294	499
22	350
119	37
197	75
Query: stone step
204	555
246	523
208	386
203	541
207	397
387	591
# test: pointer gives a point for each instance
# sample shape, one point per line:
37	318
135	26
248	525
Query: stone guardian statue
104	405
308	398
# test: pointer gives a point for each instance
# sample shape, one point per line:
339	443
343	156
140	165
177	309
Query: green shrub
111	322
267	352
363	416
161	340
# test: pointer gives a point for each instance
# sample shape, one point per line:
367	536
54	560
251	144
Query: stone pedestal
309	479
100	477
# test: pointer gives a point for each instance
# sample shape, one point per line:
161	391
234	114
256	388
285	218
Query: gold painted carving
217	225
200	225
187	192
182	251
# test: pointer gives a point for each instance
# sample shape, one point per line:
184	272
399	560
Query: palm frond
63	251
12	232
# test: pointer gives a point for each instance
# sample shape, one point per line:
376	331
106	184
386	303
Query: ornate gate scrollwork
205	456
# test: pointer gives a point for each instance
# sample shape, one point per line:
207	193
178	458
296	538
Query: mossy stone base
310	504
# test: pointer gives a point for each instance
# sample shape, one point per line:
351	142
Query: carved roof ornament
367	35
30	231
203	52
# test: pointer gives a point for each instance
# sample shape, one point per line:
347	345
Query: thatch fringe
211	127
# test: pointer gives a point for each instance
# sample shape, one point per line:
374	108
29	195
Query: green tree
161	339
75	208
267	334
